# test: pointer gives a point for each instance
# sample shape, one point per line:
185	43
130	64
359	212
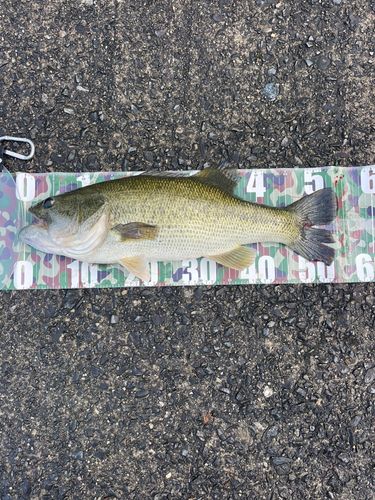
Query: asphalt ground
235	392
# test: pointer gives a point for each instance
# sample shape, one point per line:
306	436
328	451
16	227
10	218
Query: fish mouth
40	223
36	235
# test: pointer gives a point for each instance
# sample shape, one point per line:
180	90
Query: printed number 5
313	182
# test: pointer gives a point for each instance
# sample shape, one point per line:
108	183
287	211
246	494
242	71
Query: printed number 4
256	184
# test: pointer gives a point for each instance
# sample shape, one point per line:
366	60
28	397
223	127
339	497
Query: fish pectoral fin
137	265
240	258
136	231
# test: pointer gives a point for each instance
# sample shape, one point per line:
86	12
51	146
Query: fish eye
48	202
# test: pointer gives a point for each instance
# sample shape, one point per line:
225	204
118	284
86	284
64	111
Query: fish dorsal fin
169	175
224	178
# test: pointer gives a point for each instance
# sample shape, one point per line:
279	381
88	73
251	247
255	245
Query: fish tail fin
319	208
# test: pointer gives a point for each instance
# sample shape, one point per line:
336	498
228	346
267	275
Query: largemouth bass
173	217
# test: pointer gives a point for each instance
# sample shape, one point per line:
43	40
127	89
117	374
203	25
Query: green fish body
173	217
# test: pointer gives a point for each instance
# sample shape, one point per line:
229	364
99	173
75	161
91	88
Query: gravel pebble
141	394
370	376
344	457
323	62
281	465
270	433
59	160
148	157
77	455
271	91
25	486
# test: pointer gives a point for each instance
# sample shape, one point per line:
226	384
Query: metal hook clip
17	155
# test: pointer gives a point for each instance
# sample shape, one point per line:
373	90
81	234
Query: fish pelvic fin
137	265
240	258
319	208
136	231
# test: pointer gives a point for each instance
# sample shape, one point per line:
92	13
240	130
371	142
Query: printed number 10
89	274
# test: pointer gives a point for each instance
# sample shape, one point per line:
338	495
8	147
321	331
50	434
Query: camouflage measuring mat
22	267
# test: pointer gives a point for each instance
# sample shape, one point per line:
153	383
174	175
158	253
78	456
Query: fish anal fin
136	231
137	265
240	258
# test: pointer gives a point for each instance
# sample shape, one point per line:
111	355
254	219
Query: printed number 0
23	275
25	187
